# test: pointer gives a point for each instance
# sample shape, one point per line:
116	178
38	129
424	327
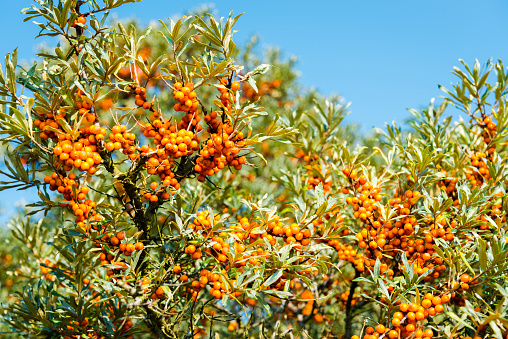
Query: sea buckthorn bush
191	188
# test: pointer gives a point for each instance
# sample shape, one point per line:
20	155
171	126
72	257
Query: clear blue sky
383	56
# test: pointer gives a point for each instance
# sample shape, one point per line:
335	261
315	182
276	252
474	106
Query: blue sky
383	56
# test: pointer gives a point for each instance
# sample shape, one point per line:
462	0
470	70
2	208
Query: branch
349	310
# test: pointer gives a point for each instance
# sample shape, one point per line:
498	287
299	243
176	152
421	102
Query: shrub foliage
190	188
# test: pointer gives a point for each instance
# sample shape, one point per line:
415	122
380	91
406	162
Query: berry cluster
203	221
449	185
120	139
409	320
291	234
264	88
81	154
479	173
489	130
186	97
140	98
49	125
220	150
315	172
226	96
80	20
84	105
74	197
114	248
45	269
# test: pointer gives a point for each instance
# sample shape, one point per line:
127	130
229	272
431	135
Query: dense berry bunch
220	150
186	97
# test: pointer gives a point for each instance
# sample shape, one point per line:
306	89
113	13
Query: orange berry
217	294
203	280
465	278
380	329
179	96
426	303
428	333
